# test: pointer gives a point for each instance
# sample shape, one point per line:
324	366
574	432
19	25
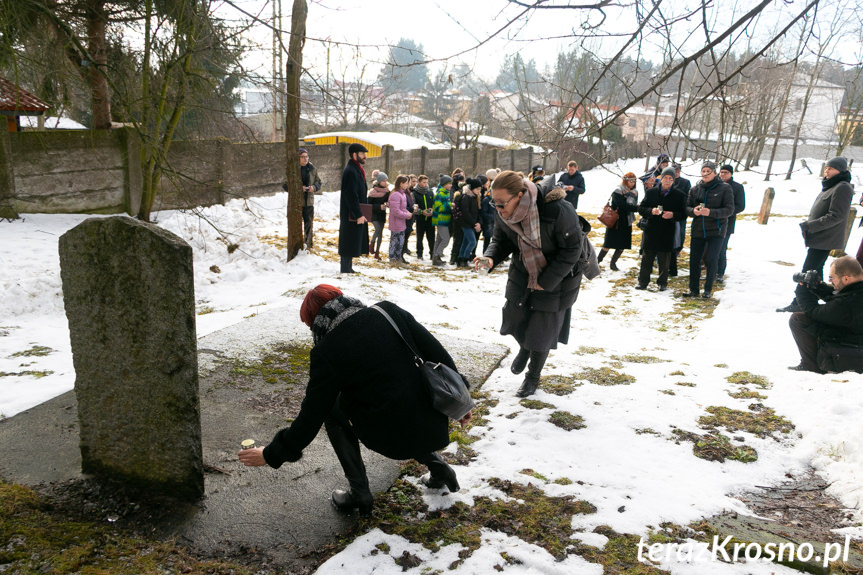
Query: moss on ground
605	376
636	358
677	372
618	555
716	447
535	404
566	420
746	393
667	391
284	363
763	423
558	384
38	374
35	351
587	350
684	383
534	474
746	378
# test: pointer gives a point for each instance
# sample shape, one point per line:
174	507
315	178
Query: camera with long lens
809	278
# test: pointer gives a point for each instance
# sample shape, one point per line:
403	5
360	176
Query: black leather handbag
446	386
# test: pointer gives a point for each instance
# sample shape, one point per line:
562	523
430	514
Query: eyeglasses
304	157
502	206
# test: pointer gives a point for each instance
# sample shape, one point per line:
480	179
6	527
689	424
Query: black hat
355	148
727	167
838	163
538	169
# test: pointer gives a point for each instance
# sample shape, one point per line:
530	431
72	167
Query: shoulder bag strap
417	358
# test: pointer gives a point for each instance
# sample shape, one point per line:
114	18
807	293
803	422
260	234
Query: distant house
16	102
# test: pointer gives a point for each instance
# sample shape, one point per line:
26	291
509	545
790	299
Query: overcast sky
480	33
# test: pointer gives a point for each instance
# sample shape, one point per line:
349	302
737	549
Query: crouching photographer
829	336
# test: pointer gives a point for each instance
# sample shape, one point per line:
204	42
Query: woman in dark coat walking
361	397
543	233
662	206
624	200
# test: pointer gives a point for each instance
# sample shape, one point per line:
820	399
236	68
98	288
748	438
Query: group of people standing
669	200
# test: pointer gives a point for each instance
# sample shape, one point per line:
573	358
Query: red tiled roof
14	99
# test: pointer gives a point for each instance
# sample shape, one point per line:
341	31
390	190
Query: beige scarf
525	223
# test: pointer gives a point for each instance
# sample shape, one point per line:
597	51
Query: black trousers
663	259
815	260
723	257
425	229
708	250
308	222
802	328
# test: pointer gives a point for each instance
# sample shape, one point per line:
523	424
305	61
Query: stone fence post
129	295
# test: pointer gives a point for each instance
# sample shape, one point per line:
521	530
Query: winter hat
315	300
647	176
473	183
303	151
838	163
491	173
669	171
443	179
354	148
482	179
709	164
538	169
381	178
662	158
727	167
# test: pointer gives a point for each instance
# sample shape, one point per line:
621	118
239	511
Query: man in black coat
353	226
572	183
838	321
663	206
710	204
726	174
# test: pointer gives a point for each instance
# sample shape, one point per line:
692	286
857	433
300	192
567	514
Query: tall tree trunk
293	69
97	23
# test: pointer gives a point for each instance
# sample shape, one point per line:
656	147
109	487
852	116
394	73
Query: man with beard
353	226
824	230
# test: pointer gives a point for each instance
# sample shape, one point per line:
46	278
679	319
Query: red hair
315	300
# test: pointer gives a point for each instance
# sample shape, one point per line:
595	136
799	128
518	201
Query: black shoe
672	273
792	307
520	361
407	252
706	295
663	288
449	481
640	287
691	294
614	267
346	502
528	387
801	367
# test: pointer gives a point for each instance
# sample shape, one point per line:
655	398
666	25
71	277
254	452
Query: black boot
520	361
602	253
534	370
614	258
440	473
347	449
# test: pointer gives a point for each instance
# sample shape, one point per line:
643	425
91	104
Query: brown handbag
609	216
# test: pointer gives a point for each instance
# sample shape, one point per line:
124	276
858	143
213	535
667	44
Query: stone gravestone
129	295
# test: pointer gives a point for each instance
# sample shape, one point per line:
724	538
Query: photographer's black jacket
841	317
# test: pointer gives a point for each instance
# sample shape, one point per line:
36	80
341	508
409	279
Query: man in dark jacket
838	321
423	198
726	174
311	186
572	183
710	204
353	226
824	230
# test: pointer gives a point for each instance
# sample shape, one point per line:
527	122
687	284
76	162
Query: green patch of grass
587	350
558	384
605	310
563	481
618	555
287	363
534	474
746	393
605	376
684	383
204	310
528	514
635	358
721	365
764	423
667	391
40	539
38	374
535	404
566	420
35	351
746	378
646	430
615	364
678	372
716	447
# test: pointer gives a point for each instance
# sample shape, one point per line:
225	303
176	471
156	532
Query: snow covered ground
610	465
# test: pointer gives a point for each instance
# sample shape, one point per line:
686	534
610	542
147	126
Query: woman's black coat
469	210
661	233
561	234
619	237
378	386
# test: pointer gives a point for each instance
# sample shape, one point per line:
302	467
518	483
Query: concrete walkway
284	513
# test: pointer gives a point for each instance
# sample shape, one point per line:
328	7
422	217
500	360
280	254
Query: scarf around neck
333	313
840	177
525	223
